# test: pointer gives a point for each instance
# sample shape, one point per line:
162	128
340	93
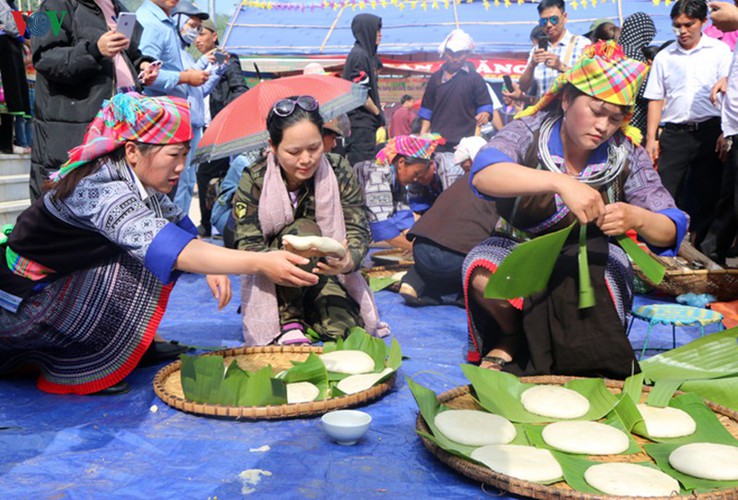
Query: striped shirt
545	76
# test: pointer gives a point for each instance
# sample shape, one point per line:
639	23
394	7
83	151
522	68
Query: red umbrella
241	126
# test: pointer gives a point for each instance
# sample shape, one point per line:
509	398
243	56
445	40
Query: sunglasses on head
285	107
554	20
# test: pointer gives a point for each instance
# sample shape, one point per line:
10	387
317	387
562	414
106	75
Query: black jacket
362	66
230	86
73	78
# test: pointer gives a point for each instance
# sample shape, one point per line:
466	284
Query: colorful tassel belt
26	268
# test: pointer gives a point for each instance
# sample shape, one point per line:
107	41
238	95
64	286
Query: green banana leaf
663	391
527	269
586	292
377	283
660	453
261	389
201	377
723	391
205	380
708	357
429	407
311	370
709	428
575	466
535	434
650	267
499	393
633	387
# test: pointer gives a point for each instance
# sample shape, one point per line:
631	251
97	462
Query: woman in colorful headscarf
403	182
570	158
86	272
298	190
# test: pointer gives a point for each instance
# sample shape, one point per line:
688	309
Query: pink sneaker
292	334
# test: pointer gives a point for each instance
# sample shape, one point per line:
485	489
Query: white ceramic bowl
346	426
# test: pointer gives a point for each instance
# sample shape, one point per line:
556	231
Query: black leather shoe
121	387
163	351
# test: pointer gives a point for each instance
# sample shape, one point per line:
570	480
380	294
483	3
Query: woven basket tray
168	386
391	257
385	271
460	398
722	283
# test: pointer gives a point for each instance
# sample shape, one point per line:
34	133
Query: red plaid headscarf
131	117
411	146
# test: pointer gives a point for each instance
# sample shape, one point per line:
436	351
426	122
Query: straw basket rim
723	283
380	257
273	412
508	484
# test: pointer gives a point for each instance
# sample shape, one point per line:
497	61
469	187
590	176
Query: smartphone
220	56
543	43
126	24
508	83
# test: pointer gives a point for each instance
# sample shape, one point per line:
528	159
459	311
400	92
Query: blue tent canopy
310	28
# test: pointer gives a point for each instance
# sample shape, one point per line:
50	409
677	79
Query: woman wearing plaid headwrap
405	180
570	158
86	272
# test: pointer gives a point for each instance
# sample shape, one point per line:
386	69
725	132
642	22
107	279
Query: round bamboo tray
722	283
385	271
168	386
392	257
461	398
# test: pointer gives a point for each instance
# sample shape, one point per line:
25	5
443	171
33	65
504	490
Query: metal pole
620	12
211	9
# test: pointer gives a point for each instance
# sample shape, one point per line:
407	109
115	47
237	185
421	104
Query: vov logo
39	23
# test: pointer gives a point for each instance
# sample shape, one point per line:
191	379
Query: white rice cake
630	480
302	392
667	422
348	361
475	428
362	382
586	438
554	401
321	243
717	462
521	462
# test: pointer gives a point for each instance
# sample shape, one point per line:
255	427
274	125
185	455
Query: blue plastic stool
674	315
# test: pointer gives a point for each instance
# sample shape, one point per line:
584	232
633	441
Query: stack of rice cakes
626	470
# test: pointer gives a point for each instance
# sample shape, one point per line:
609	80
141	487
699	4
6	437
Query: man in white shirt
679	86
562	50
722	232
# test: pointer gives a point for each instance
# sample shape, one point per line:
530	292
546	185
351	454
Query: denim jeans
437	267
24	131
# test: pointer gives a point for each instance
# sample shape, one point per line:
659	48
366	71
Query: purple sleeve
509	145
643	189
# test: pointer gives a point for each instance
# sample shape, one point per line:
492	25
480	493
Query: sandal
292	334
495	360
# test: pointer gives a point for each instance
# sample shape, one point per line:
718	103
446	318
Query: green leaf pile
205	379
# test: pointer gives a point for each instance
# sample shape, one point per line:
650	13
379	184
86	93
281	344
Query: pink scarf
258	294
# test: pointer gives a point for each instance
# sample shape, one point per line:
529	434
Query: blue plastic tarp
91	447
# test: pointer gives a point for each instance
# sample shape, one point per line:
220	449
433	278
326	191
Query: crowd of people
586	135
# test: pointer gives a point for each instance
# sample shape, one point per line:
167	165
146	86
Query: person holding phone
552	55
188	19
230	86
87	62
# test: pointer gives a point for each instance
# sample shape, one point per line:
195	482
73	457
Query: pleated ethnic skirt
87	331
